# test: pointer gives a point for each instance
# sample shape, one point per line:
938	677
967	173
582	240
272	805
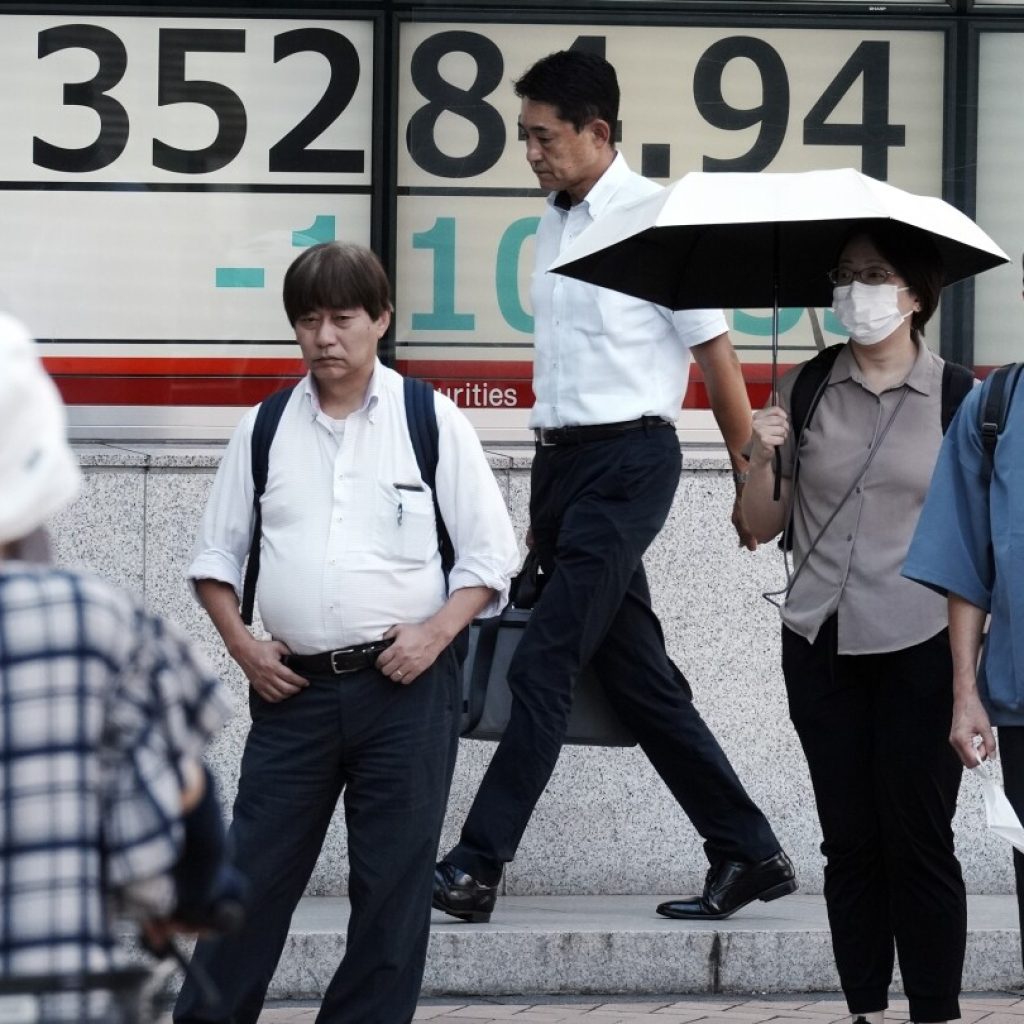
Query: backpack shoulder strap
999	386
268	416
803	400
422	422
808	388
957	382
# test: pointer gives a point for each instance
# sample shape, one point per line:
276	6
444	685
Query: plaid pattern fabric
99	703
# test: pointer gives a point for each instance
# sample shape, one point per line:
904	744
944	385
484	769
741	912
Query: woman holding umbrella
865	652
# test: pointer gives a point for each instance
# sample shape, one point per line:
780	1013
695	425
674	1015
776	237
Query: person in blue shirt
969	544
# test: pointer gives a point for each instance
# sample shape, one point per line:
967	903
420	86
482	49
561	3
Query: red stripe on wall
169	381
153	366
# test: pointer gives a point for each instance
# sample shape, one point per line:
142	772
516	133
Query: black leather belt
341	662
547	436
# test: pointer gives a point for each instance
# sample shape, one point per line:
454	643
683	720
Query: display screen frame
211	421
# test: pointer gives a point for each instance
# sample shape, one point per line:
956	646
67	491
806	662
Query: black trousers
1011	753
875	729
391	749
595	508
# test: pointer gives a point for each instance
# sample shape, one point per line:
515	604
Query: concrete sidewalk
979	1008
617	946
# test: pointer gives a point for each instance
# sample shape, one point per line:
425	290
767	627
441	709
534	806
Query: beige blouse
854	568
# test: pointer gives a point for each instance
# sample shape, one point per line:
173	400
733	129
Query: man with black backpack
344	504
969	545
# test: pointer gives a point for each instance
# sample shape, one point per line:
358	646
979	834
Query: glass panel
468	202
999	316
159	175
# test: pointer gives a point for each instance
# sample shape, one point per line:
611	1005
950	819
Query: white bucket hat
38	473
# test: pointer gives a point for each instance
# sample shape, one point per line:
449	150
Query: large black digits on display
772	113
584	44
292	152
874	134
113	133
174	87
444	97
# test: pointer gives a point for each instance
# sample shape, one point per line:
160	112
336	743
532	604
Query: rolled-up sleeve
226	527
696	326
474	512
952	546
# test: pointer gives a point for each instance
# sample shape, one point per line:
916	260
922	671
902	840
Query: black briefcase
486	700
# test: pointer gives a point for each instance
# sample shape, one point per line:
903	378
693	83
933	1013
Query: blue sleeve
952	546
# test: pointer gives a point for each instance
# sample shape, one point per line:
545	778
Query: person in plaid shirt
104	711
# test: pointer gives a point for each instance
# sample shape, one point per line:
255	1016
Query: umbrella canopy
758	240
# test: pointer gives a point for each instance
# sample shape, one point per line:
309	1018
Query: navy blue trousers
1011	754
875	730
595	508
390	750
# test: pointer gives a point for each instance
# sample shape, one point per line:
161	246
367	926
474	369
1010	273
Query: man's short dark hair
336	275
580	86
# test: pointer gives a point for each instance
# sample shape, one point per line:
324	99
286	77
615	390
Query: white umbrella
750	240
758	240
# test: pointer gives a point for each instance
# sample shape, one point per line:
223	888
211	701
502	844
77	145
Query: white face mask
870	312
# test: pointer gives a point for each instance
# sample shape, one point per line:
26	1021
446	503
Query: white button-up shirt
349	535
601	356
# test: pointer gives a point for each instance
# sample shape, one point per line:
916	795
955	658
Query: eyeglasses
867	275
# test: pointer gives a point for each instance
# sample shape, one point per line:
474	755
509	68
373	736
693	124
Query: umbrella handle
777	490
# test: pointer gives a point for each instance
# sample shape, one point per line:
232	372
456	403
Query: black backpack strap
422	421
957	383
421	418
808	388
267	418
993	410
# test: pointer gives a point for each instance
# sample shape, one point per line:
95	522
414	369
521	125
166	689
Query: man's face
562	158
338	344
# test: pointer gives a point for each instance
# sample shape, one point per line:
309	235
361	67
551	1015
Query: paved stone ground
816	1008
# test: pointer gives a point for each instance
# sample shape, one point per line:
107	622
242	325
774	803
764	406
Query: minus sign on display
240	277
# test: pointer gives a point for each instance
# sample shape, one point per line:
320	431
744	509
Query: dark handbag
486	700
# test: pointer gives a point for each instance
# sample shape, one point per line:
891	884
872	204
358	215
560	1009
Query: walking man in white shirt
610	372
349	558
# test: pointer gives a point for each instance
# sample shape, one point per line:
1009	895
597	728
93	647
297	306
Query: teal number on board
833	326
506	273
321	230
239	277
441	238
761	326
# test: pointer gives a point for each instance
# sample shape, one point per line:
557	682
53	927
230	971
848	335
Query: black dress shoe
732	884
461	895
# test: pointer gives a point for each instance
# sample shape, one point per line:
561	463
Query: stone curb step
578	945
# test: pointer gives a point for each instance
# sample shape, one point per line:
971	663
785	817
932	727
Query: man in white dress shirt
349	558
610	372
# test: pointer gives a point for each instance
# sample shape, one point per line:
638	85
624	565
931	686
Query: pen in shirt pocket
400	488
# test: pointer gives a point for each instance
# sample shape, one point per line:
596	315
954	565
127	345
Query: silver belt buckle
334	665
542	437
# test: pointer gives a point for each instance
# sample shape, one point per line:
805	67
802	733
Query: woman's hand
765	513
770	430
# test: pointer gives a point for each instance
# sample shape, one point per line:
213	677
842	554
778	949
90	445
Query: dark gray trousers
595	508
390	750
